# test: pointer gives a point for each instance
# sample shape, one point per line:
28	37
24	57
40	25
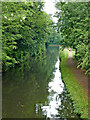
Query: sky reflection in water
55	87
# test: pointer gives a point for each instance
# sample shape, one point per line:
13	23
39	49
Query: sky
50	8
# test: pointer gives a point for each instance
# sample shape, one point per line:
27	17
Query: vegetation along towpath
79	74
74	81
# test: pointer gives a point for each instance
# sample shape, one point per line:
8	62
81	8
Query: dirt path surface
79	74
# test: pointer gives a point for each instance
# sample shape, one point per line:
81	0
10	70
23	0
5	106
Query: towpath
79	74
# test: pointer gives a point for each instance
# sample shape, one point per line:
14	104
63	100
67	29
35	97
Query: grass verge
77	94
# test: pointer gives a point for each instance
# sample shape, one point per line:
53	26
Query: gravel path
79	74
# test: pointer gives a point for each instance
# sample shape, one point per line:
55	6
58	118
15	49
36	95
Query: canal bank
76	91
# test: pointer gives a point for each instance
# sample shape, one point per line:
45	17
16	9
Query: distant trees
25	30
73	27
54	37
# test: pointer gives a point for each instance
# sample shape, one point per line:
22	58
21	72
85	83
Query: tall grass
77	94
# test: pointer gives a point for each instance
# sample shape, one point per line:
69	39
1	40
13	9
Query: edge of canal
76	92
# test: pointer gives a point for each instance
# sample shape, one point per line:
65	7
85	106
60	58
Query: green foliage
83	57
54	37
25	27
62	54
73	27
77	94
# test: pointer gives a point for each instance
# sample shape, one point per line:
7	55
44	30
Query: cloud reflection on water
55	88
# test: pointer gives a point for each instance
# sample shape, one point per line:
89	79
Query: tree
73	26
25	27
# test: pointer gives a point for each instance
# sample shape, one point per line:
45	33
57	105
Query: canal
36	90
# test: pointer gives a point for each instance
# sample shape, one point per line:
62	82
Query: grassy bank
77	94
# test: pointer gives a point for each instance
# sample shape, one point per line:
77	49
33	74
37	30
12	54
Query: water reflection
26	85
59	105
55	87
35	90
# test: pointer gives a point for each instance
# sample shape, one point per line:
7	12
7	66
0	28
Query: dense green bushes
83	57
25	30
73	27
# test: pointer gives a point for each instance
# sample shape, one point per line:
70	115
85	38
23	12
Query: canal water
35	89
